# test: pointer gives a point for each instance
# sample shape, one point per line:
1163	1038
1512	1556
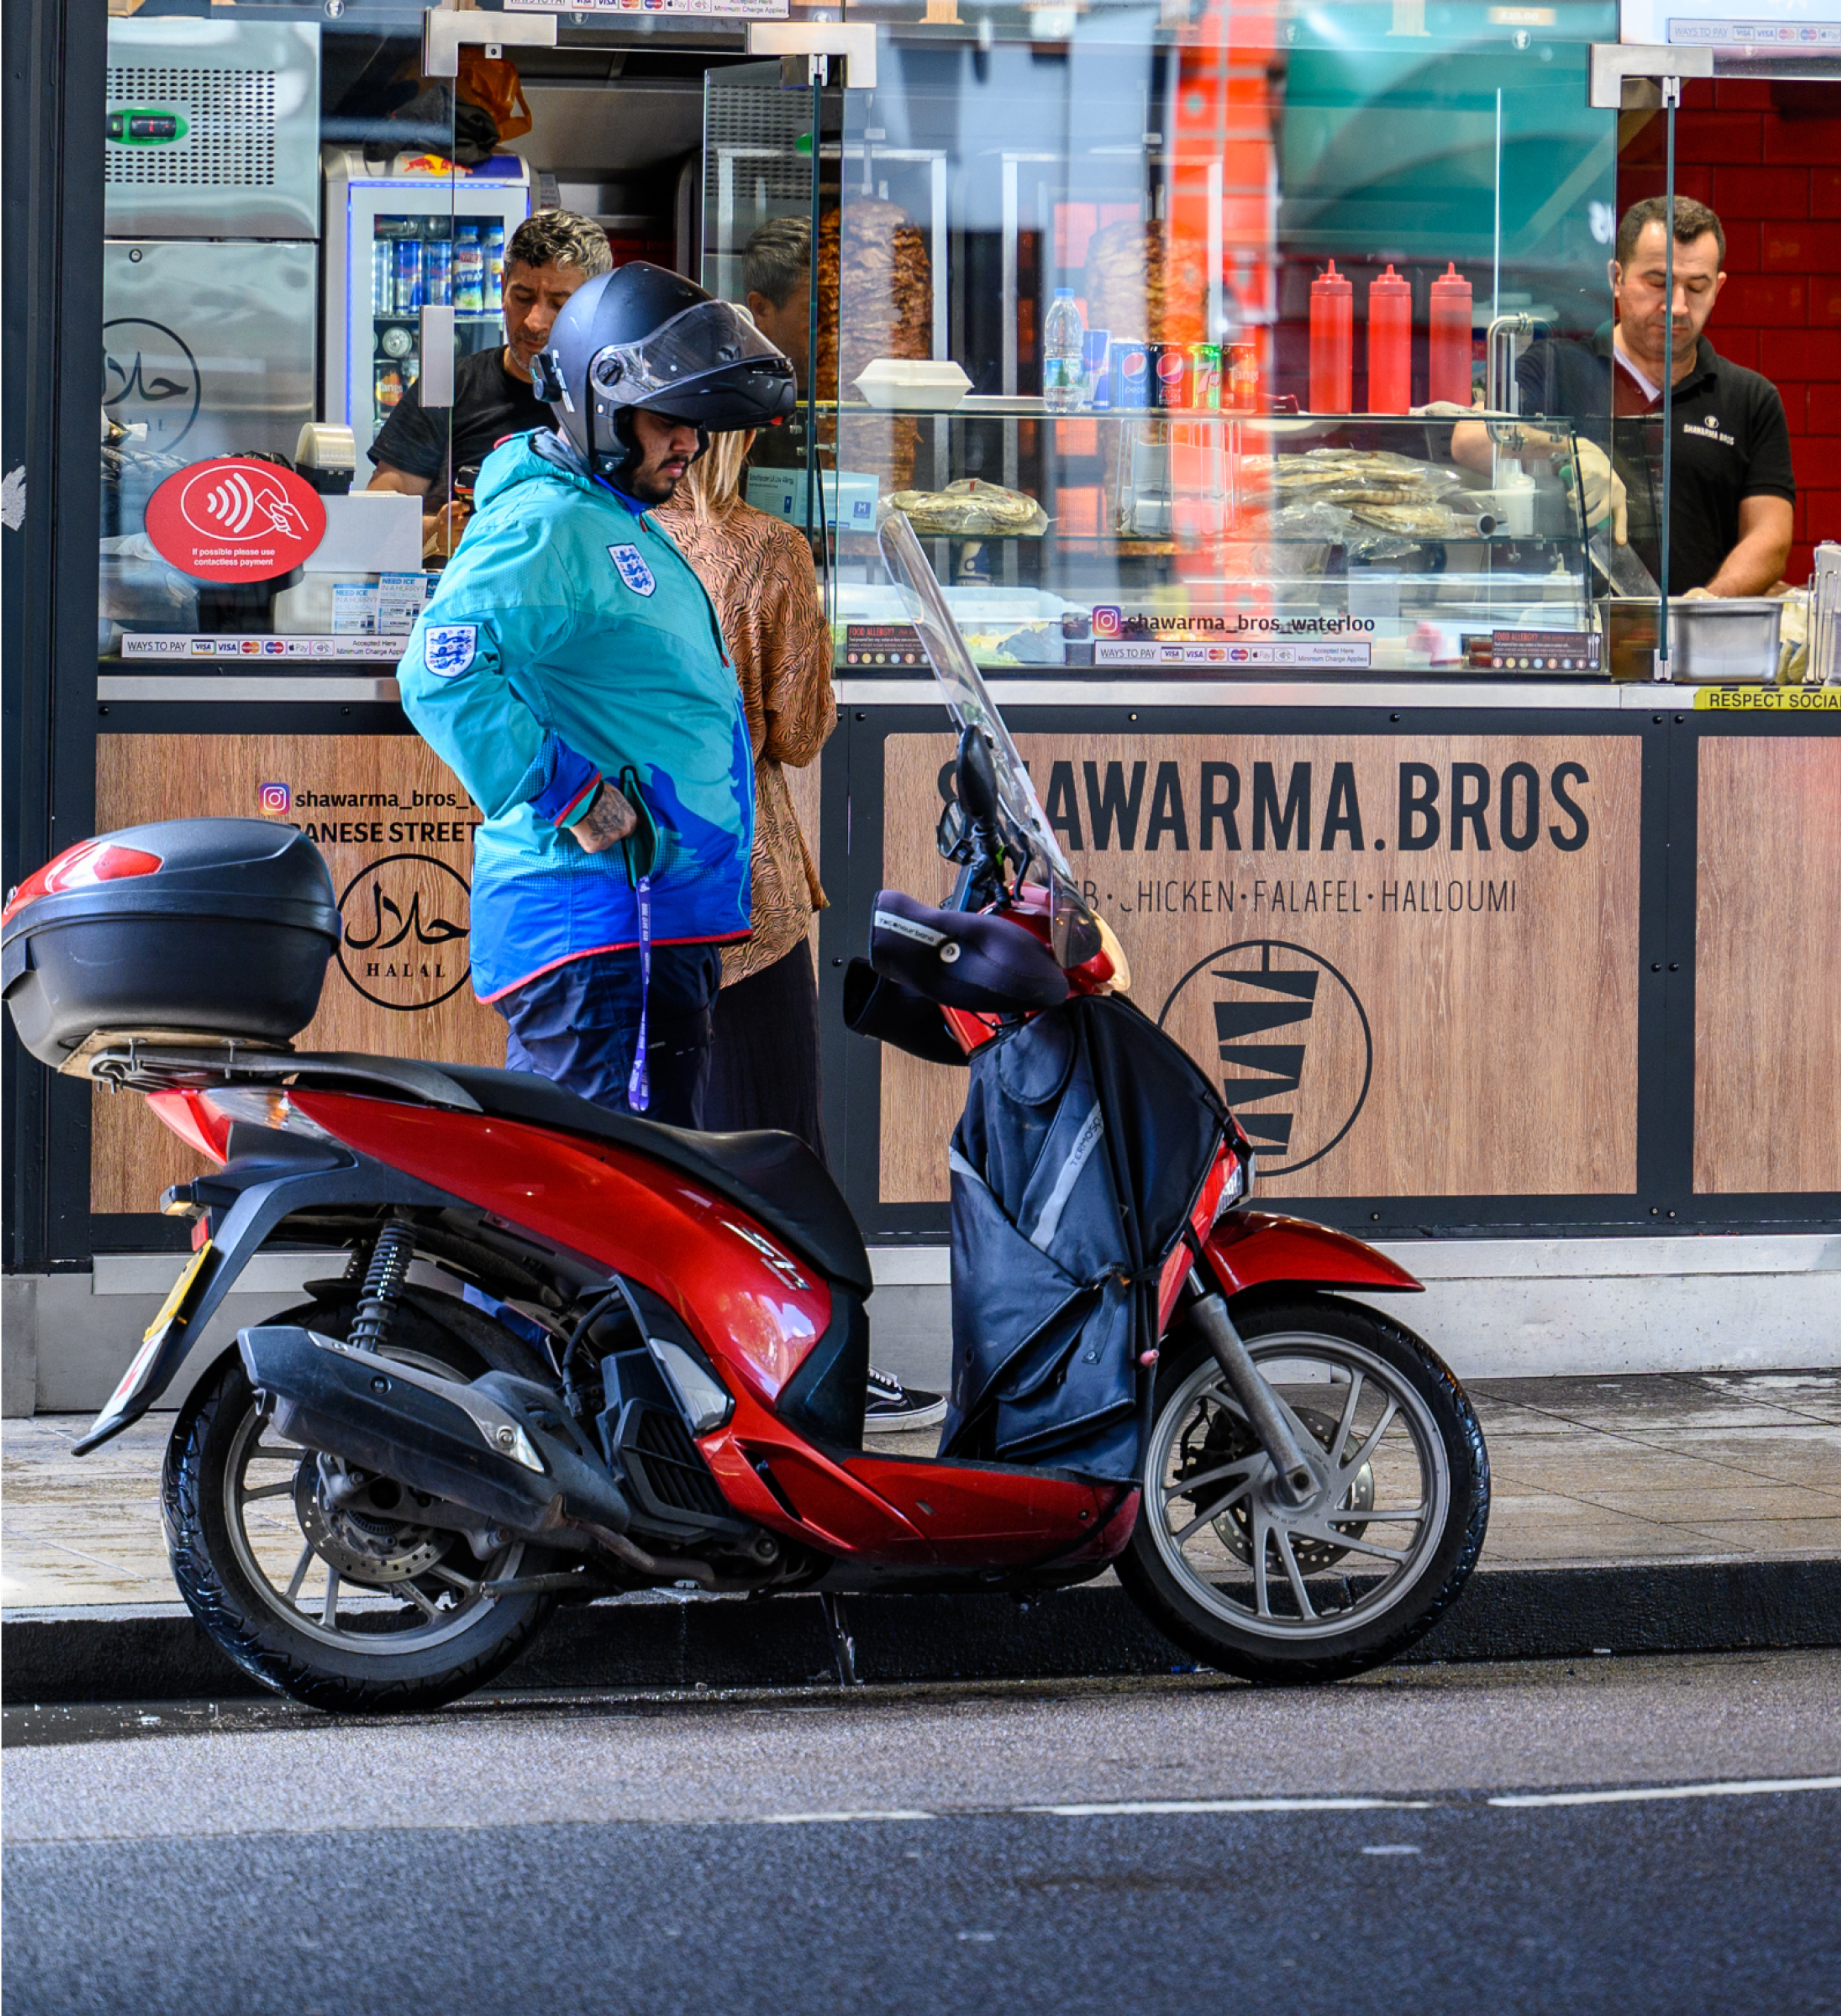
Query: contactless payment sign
231	520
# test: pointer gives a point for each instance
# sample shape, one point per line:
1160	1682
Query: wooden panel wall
398	836
1450	1021
1768	966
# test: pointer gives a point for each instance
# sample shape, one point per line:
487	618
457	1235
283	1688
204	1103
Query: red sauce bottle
1390	344
1449	375
1332	342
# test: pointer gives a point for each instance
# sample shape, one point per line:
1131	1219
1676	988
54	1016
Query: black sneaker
893	1407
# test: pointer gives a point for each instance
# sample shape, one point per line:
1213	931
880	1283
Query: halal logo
149	374
406	920
1296	1054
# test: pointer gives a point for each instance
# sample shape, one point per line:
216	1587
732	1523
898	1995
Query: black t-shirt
489	403
1731	442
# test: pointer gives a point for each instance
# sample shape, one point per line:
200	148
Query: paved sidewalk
1712	1467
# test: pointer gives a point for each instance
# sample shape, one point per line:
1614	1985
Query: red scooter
576	1353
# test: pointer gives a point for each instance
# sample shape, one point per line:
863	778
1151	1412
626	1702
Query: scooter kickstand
843	1645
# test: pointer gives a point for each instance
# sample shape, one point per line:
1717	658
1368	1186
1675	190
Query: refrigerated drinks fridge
395	245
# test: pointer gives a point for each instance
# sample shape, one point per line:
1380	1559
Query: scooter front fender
1254	1249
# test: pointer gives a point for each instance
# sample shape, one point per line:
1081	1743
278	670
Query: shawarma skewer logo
1289	1041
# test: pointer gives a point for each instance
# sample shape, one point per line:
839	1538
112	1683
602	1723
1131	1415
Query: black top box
210	927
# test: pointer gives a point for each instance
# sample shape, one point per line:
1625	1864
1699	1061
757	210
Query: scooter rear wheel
1249	1582
359	1608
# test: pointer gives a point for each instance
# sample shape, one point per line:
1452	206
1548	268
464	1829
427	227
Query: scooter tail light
201	1129
80	867
202	1120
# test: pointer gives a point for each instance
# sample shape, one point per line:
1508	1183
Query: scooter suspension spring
383	1289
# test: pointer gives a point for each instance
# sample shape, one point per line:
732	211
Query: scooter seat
775	1178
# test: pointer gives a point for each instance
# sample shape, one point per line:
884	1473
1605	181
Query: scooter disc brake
1227	1439
360	1537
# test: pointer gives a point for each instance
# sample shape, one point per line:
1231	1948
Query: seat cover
775	1178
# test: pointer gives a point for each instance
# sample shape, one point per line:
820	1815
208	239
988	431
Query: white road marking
1733	1788
1224	1806
833	1819
1391	1848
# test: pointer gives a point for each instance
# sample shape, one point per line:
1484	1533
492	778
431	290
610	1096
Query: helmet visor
713	336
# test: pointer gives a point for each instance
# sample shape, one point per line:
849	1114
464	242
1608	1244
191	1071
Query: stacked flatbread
970	508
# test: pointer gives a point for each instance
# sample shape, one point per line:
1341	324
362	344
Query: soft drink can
469	273
383	277
437	273
1204	385
1098	375
1169	375
409	275
1131	374
389	386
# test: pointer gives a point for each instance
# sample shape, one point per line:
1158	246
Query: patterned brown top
760	574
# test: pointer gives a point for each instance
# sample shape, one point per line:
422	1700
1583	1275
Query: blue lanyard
639	1084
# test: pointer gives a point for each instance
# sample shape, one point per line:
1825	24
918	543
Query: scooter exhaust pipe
1263	1408
438	1436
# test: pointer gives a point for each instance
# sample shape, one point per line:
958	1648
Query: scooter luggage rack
150	1061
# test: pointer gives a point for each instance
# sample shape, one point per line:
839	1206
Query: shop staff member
1735	492
571	672
550	255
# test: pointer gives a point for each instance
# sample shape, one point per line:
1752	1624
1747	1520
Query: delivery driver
436	455
570	671
1734	493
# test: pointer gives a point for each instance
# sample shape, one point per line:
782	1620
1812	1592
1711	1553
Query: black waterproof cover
962	959
1086	1137
229	937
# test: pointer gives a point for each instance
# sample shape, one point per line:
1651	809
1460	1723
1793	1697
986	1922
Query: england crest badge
448	648
633	570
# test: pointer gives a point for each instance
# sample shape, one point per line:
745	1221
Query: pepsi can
1171	373
1131	374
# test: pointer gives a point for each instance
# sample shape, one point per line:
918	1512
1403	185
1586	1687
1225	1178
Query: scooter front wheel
1229	1567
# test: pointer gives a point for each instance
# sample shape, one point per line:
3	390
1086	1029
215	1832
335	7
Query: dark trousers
764	1058
579	1024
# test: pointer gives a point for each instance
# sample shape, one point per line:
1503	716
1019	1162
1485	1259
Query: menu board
1409	963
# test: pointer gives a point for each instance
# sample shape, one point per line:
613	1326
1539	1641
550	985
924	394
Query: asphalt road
1631	1835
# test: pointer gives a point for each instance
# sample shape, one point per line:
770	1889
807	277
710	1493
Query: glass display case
1226	543
1220	287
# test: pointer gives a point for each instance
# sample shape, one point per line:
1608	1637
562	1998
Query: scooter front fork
1263	1408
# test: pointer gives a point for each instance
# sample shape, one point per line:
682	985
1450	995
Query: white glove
1603	491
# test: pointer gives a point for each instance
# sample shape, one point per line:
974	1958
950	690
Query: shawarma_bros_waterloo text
1141	806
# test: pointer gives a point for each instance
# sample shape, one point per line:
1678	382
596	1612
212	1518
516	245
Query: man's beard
656	487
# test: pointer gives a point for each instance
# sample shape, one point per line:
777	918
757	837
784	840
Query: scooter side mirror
977	779
949	834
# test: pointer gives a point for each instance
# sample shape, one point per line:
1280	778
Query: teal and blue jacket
568	638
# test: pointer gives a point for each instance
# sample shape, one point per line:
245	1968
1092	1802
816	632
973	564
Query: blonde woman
764	1053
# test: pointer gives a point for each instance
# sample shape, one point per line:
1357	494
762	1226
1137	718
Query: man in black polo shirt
550	255
1735	492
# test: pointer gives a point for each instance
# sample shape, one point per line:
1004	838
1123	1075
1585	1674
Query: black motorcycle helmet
644	336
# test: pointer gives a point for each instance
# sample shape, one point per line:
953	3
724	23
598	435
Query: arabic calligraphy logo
406	921
1296	1098
149	375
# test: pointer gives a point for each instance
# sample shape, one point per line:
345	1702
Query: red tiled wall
1768	157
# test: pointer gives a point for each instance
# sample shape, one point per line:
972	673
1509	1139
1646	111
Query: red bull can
1131	373
1172	375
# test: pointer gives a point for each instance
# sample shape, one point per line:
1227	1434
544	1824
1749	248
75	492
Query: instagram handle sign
274	800
1108	622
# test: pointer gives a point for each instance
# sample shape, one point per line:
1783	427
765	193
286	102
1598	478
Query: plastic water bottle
1064	344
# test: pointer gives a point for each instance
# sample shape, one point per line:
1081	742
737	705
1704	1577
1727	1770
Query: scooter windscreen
1074	933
